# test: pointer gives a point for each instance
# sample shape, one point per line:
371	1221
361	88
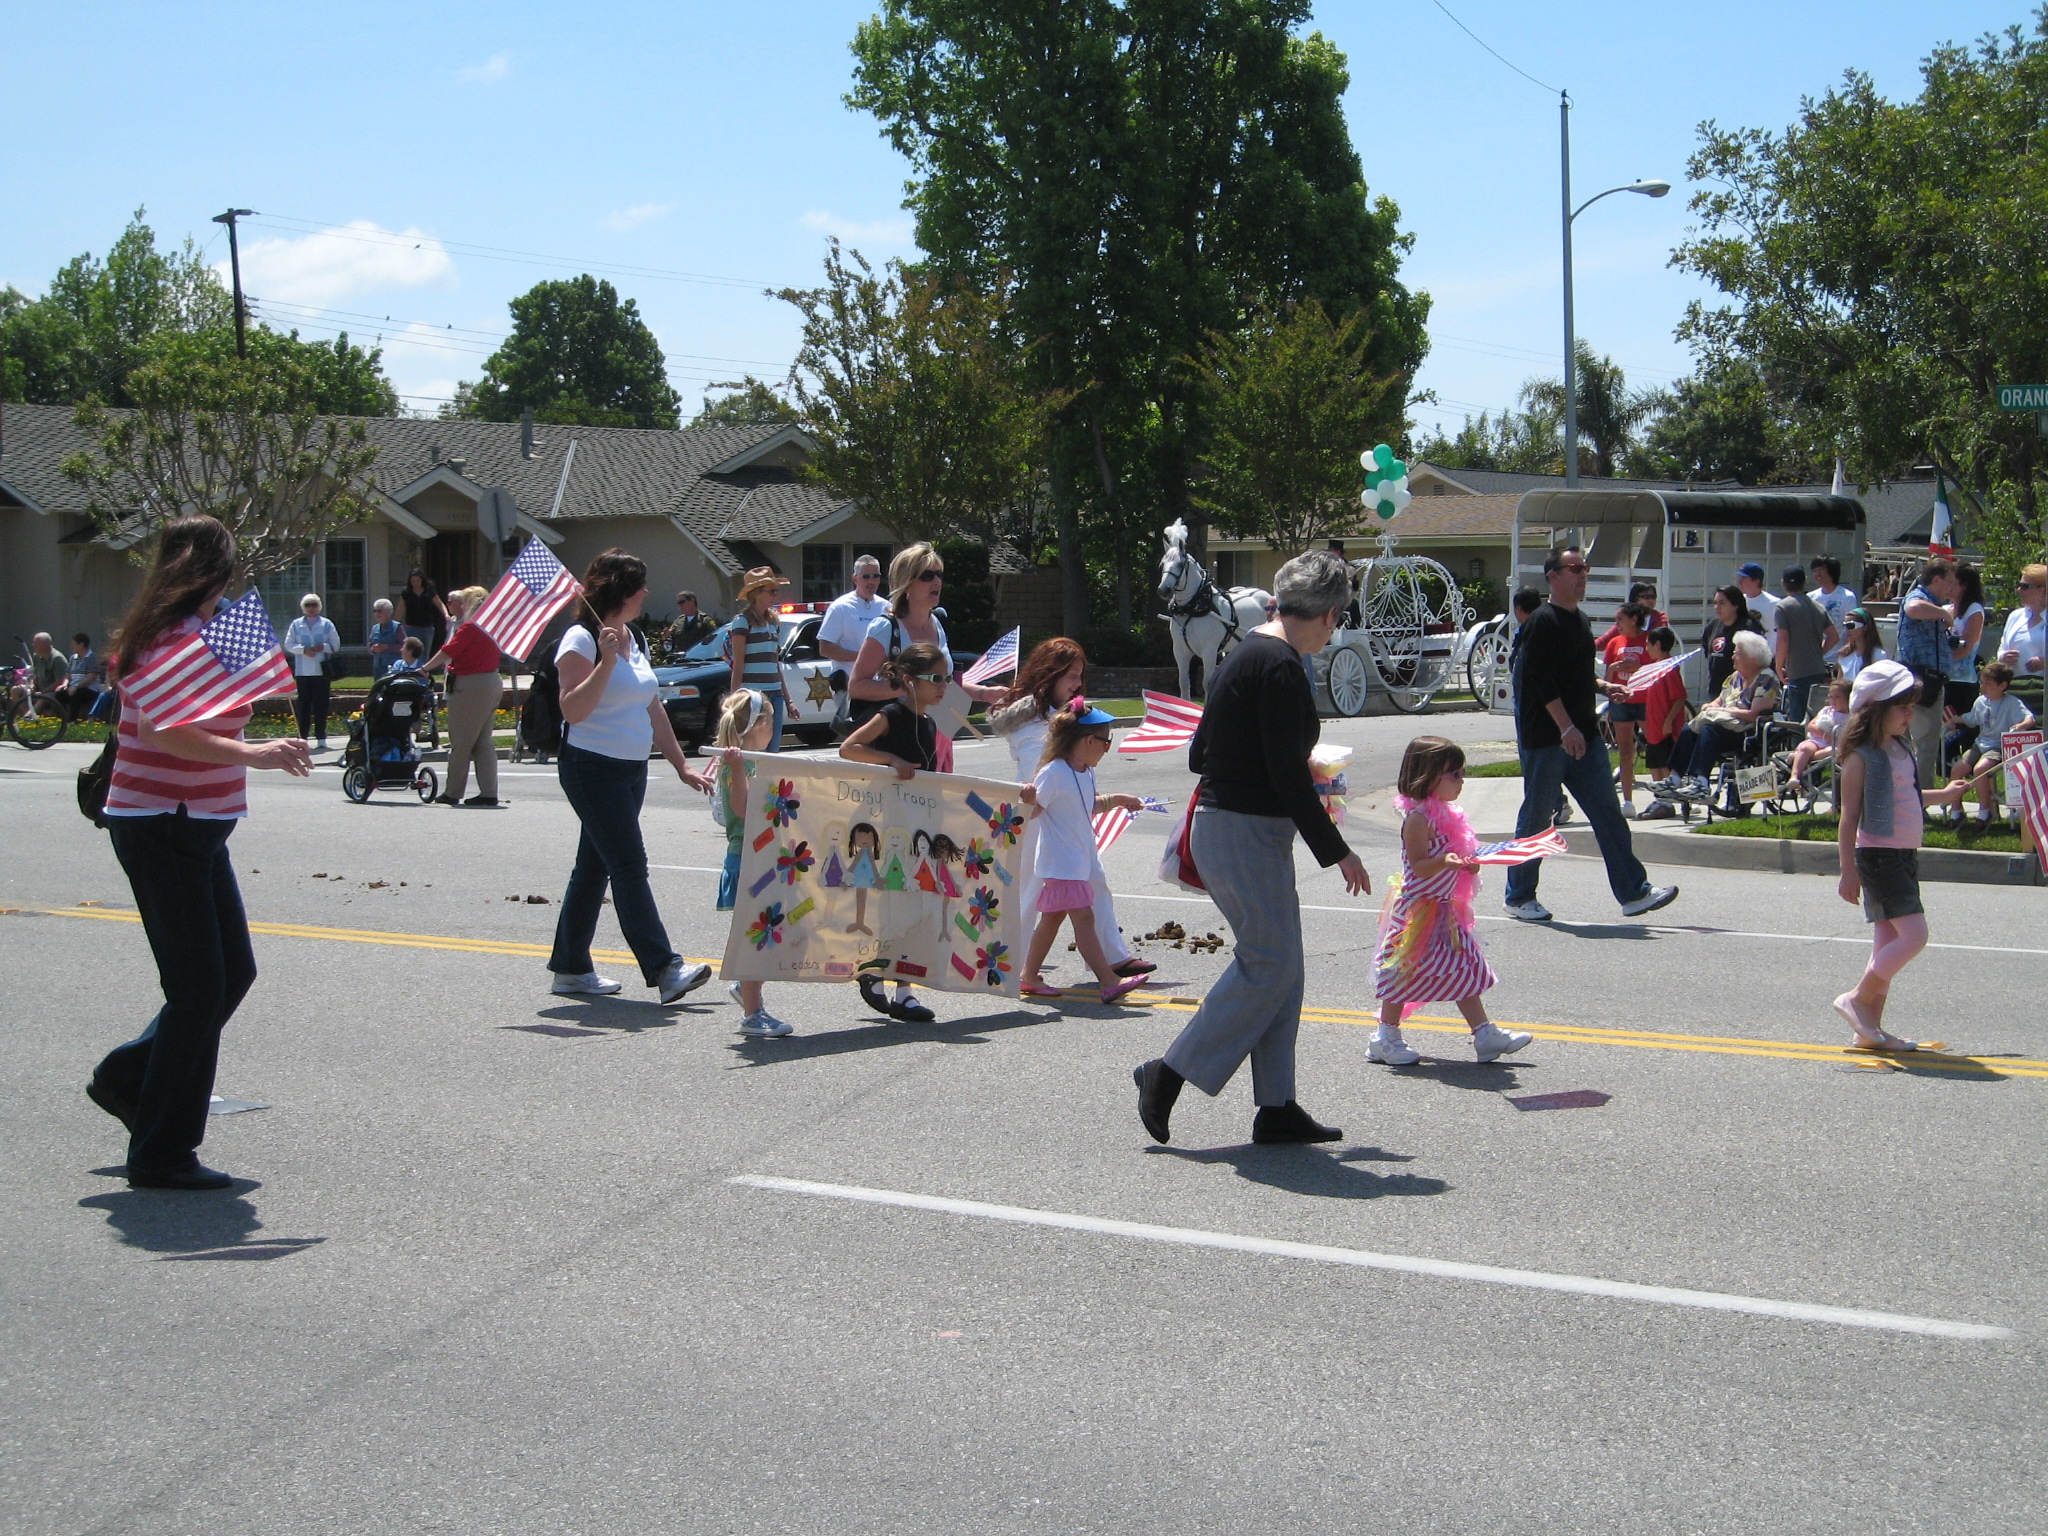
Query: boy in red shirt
1663	705
1624	651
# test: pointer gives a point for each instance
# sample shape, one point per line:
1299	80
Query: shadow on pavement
1631	931
1312	1171
186	1225
878	1034
1480	1076
618	1016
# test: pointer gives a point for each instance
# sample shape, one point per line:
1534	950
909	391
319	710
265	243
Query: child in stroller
380	750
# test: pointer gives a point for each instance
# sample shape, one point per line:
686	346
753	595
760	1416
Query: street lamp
1571	350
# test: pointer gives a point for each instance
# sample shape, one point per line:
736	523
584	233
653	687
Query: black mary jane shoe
1289	1122
910	1013
874	997
198	1176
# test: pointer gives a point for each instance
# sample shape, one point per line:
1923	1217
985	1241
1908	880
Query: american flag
1110	825
996	660
1646	677
533	590
1169	722
2029	772
1522	849
227	664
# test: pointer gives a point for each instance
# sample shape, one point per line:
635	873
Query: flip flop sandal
1899	1047
1040	991
1128	985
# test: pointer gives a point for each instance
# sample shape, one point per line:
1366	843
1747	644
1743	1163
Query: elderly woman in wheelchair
1724	727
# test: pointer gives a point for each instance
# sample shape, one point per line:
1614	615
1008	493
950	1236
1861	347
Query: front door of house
451	558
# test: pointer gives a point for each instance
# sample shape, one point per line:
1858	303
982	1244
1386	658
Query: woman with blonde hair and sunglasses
916	583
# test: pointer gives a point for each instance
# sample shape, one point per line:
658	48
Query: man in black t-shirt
1557	723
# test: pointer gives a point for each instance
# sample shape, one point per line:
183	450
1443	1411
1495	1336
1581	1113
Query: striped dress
1426	953
763	666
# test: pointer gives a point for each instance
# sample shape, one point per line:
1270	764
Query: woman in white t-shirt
613	720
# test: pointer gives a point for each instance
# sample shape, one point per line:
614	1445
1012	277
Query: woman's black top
1252	746
1717	644
908	735
420	612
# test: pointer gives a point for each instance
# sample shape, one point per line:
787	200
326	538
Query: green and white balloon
1386	483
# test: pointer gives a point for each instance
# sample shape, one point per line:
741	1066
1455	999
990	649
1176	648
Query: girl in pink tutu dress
1428	952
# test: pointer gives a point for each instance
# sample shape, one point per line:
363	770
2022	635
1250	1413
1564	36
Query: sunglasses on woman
932	575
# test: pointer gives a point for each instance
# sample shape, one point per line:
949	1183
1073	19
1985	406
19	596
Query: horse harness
1204	602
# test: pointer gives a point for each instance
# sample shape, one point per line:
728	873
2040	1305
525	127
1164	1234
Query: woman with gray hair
1251	751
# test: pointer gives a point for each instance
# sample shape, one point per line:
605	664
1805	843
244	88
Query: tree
1292	401
920	406
1882	263
749	402
1529	442
1610	413
1723	424
243	441
577	356
1147	172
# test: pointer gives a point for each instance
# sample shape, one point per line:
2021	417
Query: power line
1482	42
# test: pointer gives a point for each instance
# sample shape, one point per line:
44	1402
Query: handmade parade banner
846	871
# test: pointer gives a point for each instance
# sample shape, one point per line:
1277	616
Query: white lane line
1674	931
695	869
1446	1269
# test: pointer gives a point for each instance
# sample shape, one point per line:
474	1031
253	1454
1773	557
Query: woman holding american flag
188	671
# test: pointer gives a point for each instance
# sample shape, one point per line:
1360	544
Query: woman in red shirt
174	797
474	689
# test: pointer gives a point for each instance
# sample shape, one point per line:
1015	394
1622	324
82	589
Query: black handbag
97	776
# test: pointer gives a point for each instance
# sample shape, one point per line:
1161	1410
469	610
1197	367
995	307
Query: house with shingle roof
700	506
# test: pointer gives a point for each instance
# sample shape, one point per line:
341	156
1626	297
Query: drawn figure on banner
833	875
945	854
863	845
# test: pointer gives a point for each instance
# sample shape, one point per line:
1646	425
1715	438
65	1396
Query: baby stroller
380	751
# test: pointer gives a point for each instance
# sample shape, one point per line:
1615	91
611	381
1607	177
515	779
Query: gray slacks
1255	1007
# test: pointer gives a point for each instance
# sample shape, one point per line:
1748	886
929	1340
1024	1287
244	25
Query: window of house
1235	568
282	590
344	587
824	572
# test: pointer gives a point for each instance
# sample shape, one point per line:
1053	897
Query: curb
1791	856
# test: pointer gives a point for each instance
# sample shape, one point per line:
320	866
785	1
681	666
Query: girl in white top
1064	802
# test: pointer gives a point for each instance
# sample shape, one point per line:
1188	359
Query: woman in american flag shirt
174	797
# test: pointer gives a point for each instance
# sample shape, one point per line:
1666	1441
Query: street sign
497	515
2023	397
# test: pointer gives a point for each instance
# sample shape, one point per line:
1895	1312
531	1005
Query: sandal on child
1136	967
1039	989
1127	985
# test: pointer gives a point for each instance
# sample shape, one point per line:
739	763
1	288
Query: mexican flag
1941	536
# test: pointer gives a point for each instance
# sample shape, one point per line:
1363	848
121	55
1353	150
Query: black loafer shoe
481	800
198	1176
121	1109
1158	1087
1290	1122
874	997
911	1013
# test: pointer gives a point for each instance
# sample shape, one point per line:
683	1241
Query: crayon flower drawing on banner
846	870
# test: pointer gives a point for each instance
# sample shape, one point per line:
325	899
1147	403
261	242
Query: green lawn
2004	837
1511	768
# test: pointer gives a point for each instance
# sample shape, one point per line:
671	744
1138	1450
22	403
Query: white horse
1206	622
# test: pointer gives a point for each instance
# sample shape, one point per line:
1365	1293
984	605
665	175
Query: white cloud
881	232
496	67
640	213
358	257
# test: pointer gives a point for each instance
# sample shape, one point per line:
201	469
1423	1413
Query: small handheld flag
996	660
1169	722
1109	826
1645	677
1941	534
227	664
534	588
1520	850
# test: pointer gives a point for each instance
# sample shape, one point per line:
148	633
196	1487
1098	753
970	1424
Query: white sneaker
1391	1049
1530	911
1980	815
764	1023
589	984
732	990
680	980
1490	1041
1653	898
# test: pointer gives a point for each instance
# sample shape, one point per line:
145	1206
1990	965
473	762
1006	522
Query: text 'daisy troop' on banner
848	871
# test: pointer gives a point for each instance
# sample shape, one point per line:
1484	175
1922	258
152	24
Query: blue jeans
184	885
1546	771
778	709
1701	745
1797	691
606	793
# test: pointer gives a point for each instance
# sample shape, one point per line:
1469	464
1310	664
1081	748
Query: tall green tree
1882	265
1291	400
1611	415
578	355
1147	172
747	402
1723	424
921	406
1528	442
243	440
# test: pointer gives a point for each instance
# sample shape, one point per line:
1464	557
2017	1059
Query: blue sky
398	154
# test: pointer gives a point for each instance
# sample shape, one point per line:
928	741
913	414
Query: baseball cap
1752	570
1882	681
1795	575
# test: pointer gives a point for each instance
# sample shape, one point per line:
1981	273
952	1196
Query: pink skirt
1066	895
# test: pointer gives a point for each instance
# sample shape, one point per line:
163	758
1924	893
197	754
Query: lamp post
1571	347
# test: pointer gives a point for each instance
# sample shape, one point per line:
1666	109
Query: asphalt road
489	1277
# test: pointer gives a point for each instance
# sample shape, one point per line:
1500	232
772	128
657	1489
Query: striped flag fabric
996	660
2029	774
1941	533
1646	677
1109	826
229	663
1169	723
534	588
1520	850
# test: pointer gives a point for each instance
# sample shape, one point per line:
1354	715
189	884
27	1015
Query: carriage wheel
1483	663
1348	682
355	783
427	785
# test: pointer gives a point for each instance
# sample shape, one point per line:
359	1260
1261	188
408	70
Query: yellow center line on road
1571	1034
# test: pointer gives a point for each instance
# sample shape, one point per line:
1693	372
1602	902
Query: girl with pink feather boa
1428	952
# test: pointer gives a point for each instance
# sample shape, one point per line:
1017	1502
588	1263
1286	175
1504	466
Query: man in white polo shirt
847	620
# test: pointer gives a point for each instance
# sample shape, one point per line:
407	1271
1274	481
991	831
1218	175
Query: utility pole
235	265
1571	342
